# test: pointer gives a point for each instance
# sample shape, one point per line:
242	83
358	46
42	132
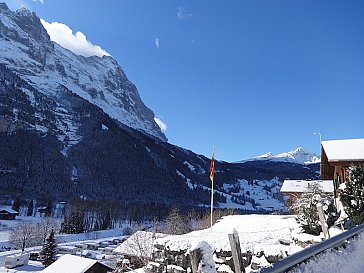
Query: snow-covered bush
352	195
307	210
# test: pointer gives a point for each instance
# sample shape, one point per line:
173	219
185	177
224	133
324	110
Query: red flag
212	166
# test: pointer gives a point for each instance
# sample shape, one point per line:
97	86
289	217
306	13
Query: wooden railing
291	261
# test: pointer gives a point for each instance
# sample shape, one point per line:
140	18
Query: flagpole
212	202
212	170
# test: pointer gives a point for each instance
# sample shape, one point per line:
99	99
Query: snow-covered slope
299	156
27	49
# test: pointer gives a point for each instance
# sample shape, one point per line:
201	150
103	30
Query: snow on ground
261	191
189	165
6	226
256	232
139	244
341	260
33	266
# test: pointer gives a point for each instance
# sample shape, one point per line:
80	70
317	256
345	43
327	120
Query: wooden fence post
236	251
195	256
320	212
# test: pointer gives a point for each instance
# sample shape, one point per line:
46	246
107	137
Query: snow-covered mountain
299	156
26	48
74	126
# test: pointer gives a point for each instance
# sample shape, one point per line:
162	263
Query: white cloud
40	1
156	41
77	43
182	14
161	124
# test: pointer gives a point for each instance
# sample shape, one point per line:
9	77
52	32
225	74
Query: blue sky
246	76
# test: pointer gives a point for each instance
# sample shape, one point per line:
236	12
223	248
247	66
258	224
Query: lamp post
319	136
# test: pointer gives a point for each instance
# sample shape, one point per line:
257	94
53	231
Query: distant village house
8	214
75	264
293	189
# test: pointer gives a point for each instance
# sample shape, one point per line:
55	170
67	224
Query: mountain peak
267	155
299	156
299	150
3	6
24	12
48	67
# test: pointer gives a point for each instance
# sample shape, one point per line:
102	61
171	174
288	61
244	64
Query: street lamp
319	136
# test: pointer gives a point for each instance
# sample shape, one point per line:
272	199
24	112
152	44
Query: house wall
326	170
292	197
341	172
7	216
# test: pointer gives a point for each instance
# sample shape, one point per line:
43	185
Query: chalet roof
10	211
303	185
70	264
344	150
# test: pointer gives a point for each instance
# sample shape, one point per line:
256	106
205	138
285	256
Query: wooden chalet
337	156
8	214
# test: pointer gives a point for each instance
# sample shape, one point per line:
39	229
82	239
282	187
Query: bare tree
45	227
176	223
25	235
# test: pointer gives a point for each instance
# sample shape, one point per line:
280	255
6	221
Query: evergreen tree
49	250
48	209
30	208
307	210
352	196
74	221
16	204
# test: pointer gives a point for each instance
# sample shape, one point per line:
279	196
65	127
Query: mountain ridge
298	156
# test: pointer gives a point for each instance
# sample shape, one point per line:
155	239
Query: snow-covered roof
70	264
11	211
344	150
303	185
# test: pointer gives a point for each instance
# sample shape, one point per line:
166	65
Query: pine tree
49	250
352	196
30	208
16	204
307	210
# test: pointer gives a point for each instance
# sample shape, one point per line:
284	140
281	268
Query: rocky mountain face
75	127
57	72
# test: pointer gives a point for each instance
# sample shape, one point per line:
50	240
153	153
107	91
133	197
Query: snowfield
256	233
33	266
